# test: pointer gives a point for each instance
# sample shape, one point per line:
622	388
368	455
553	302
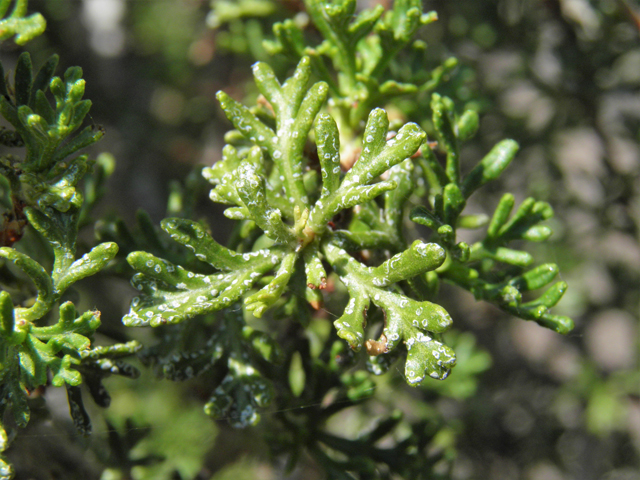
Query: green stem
344	58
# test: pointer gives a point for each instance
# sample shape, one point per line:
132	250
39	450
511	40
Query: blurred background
562	77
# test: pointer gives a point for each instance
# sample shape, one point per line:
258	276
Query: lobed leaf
406	320
378	155
171	294
194	237
89	264
295	107
427	356
17	24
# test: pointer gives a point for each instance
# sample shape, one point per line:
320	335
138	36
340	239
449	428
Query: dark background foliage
562	77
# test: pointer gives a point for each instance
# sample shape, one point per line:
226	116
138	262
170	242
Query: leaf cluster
326	191
477	268
321	186
44	204
358	50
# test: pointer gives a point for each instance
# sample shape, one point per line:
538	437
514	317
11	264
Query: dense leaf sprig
268	178
41	191
321	184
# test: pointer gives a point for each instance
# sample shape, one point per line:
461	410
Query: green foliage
360	48
171	294
41	192
15	22
46	176
291	198
326	191
243	390
477	267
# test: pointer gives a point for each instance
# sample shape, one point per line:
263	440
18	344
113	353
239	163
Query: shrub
332	197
